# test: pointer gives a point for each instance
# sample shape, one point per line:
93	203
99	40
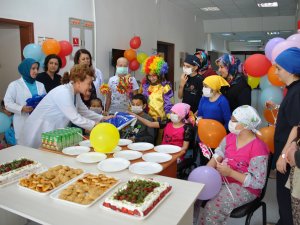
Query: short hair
98	100
47	59
78	72
140	97
78	54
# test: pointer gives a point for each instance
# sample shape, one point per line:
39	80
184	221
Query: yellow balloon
104	137
253	81
141	57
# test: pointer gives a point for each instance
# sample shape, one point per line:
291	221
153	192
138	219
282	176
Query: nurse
20	90
61	106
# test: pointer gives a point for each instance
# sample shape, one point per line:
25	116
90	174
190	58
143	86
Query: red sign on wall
75	41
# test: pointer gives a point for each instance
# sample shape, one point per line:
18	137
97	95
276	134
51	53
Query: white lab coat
55	111
15	98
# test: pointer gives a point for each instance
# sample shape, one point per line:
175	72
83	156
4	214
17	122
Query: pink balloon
283	46
294	37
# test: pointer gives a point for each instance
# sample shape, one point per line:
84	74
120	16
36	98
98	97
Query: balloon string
82	136
275	118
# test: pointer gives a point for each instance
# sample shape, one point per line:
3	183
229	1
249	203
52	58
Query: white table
176	209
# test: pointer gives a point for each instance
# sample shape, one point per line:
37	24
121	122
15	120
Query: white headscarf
247	116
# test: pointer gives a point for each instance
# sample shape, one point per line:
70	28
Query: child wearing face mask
139	132
96	105
213	105
122	85
242	158
178	130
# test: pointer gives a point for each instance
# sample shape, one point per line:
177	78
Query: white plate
124	142
157	157
75	150
86	143
128	154
55	195
117	149
113	165
145	168
140	146
170	149
91	157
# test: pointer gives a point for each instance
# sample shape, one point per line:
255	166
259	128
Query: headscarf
289	60
154	65
181	109
193	60
205	61
25	67
215	82
231	62
247	116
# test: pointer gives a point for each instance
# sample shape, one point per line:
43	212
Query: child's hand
198	119
183	79
131	113
224	169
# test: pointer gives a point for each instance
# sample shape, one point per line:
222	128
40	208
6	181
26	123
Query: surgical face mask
174	118
207	92
232	127
136	109
122	70
96	109
187	71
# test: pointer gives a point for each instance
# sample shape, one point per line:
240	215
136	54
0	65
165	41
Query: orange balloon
130	54
267	136
211	132
270	115
273	77
51	46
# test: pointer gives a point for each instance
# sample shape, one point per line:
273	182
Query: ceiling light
273	33
211	9
286	31
226	34
267	4
254	41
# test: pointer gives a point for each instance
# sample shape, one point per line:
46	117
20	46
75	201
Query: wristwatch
283	155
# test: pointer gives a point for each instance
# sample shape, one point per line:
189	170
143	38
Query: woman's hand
281	165
290	154
27	109
271	105
107	117
224	169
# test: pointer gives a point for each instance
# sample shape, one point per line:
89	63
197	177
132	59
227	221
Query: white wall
50	17
10	56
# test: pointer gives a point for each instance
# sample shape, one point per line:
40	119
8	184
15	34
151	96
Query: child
157	90
96	105
139	132
242	159
178	131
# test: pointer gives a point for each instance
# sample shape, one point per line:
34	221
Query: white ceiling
240	9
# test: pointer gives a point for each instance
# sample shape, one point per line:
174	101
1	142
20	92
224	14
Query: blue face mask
122	70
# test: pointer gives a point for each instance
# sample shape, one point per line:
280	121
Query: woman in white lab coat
61	106
20	90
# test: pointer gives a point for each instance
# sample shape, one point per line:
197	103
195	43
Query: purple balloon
270	46
208	176
294	37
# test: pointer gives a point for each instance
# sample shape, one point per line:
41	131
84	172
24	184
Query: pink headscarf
181	109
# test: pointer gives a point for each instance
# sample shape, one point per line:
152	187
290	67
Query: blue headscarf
205	61
289	60
25	67
193	60
232	63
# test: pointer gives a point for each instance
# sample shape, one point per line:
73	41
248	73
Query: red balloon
63	61
134	65
135	42
285	91
257	65
65	48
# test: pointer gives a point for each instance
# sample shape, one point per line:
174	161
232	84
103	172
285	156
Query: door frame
26	31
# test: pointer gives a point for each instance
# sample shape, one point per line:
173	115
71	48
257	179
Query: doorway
166	50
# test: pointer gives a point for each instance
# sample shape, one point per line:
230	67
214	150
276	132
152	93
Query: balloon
104	137
211	132
270	115
273	78
257	65
210	177
267	136
130	54
134	65
141	57
271	94
65	48
63	60
42	60
284	91
135	42
283	46
33	51
294	37
264	83
253	81
5	122
270	46
51	46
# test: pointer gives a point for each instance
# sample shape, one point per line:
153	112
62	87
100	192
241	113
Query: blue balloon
33	51
5	122
42	60
264	83
273	94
